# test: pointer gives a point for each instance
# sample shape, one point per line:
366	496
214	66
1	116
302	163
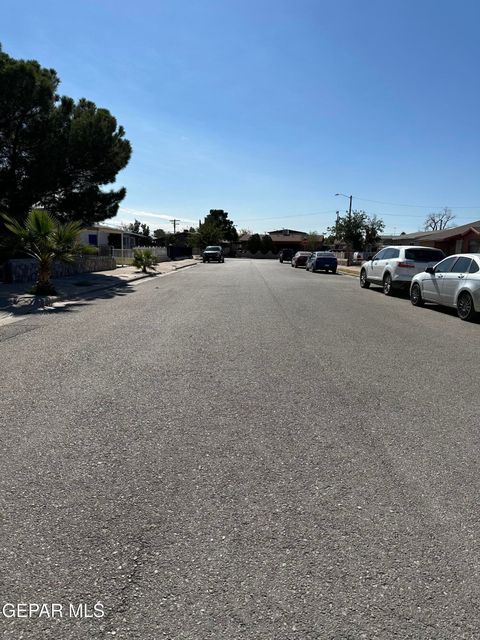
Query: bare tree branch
439	220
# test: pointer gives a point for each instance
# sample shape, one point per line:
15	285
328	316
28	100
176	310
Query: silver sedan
453	282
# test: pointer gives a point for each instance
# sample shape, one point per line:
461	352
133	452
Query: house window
474	246
93	239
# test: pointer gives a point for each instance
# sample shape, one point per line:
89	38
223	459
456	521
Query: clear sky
267	108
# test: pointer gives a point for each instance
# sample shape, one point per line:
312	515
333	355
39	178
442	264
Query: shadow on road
72	295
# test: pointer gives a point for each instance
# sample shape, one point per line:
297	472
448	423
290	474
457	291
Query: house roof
287	235
455	231
105	228
287	232
444	234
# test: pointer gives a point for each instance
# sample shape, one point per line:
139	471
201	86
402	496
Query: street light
350	207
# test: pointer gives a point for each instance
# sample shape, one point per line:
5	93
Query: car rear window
424	255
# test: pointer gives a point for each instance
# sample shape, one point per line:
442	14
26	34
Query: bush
144	259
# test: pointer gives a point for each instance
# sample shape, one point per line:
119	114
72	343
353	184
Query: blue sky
266	109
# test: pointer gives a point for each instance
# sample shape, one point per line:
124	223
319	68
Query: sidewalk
15	299
349	271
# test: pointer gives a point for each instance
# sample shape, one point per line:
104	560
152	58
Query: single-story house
104	237
462	239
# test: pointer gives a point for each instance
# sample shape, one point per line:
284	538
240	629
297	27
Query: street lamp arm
350	207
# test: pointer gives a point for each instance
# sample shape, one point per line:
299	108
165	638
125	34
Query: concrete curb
183	266
349	272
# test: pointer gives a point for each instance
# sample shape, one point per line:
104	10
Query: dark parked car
213	253
300	258
322	260
285	255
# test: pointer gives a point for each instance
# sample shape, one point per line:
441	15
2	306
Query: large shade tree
55	152
215	228
219	218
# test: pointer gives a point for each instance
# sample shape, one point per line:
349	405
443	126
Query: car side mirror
430	270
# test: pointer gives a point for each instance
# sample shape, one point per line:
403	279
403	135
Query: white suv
394	267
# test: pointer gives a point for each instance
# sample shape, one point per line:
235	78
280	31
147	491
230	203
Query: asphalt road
242	450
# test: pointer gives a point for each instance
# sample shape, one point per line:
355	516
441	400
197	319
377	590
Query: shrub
144	259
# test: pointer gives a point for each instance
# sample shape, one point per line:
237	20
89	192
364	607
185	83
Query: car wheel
387	285
334	270
364	283
296	266
204	260
416	295
465	308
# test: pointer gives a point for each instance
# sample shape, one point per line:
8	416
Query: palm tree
46	240
144	259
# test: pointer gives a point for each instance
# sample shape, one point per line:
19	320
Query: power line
415	206
293	215
332	212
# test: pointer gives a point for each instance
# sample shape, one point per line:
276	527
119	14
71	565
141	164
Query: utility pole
174	222
350	198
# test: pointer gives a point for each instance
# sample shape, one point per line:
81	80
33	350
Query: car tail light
406	265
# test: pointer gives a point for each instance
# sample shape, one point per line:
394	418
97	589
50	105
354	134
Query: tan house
288	238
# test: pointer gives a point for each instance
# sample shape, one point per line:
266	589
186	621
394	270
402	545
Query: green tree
134	227
46	240
350	229
144	259
147	240
267	244
160	236
254	243
313	241
372	229
219	218
356	231
207	233
55	152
